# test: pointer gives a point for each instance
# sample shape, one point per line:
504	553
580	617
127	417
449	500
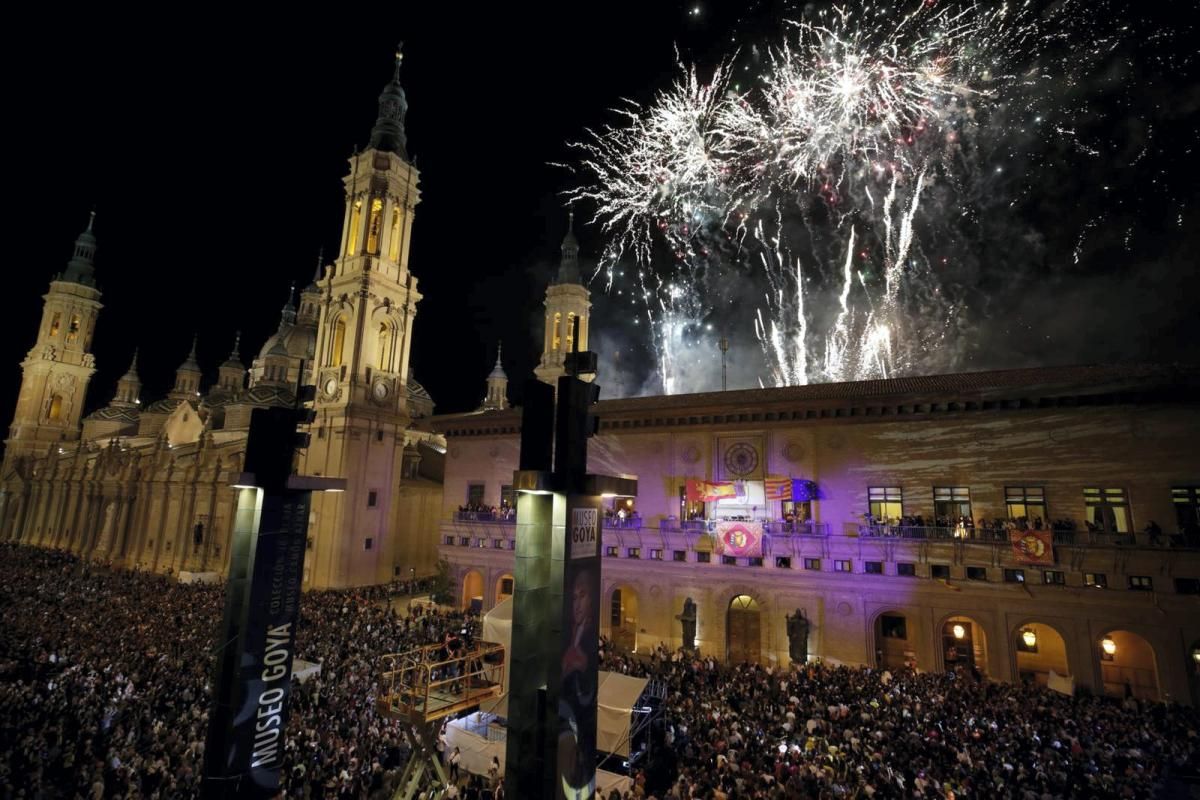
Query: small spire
131	373
288	317
498	370
568	267
320	263
81	268
388	134
237	344
195	341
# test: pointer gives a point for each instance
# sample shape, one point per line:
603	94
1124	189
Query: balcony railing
805	528
485	516
623	523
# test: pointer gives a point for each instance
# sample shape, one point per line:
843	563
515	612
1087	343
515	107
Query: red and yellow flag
707	491
778	488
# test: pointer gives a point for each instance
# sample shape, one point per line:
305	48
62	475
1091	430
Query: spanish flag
707	491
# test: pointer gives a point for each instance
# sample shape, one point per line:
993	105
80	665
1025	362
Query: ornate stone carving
794	452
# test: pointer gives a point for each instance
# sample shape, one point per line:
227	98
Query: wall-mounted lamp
1029	637
959	631
1108	646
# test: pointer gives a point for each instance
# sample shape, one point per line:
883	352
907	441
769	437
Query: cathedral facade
147	485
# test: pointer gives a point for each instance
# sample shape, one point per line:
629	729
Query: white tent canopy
617	694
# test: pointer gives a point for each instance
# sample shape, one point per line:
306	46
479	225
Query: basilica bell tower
368	300
56	371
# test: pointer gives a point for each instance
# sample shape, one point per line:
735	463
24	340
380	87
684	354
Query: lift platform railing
424	684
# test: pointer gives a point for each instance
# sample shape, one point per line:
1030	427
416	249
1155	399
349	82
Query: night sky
213	150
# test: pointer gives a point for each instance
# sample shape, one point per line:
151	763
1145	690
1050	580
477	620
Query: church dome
296	341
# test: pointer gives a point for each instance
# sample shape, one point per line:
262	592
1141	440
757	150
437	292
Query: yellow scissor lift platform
423	686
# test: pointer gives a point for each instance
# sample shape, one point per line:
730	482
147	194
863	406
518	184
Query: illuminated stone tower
497	387
56	371
567	299
367	303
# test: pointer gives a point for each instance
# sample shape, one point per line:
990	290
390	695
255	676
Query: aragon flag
778	488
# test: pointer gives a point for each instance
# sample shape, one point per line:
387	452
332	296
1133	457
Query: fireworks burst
867	140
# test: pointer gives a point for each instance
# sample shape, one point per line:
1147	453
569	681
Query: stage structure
253	669
554	680
424	686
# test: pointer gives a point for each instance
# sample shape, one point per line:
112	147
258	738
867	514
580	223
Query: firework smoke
836	189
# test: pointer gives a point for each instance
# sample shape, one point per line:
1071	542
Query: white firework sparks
852	106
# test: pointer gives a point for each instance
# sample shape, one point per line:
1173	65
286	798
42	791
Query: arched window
56	408
376	227
54	324
355	225
394	239
339	343
570	333
385	336
73	329
557	330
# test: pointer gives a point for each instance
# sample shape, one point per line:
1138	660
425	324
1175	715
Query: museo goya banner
579	668
270	637
739	539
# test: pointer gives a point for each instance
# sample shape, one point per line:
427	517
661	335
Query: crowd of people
482	511
105	679
817	731
105	691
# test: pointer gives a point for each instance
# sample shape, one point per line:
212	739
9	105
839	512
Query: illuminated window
384	355
1097	579
570	333
886	502
355	224
1141	583
1028	502
55	412
841	565
73	329
951	502
394	238
557	331
376	227
54	324
812	563
339	342
1108	509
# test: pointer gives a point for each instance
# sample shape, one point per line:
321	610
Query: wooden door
743	633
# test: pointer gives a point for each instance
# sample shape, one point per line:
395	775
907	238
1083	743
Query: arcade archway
895	641
472	590
504	588
1128	666
743	626
964	645
623	617
1040	650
